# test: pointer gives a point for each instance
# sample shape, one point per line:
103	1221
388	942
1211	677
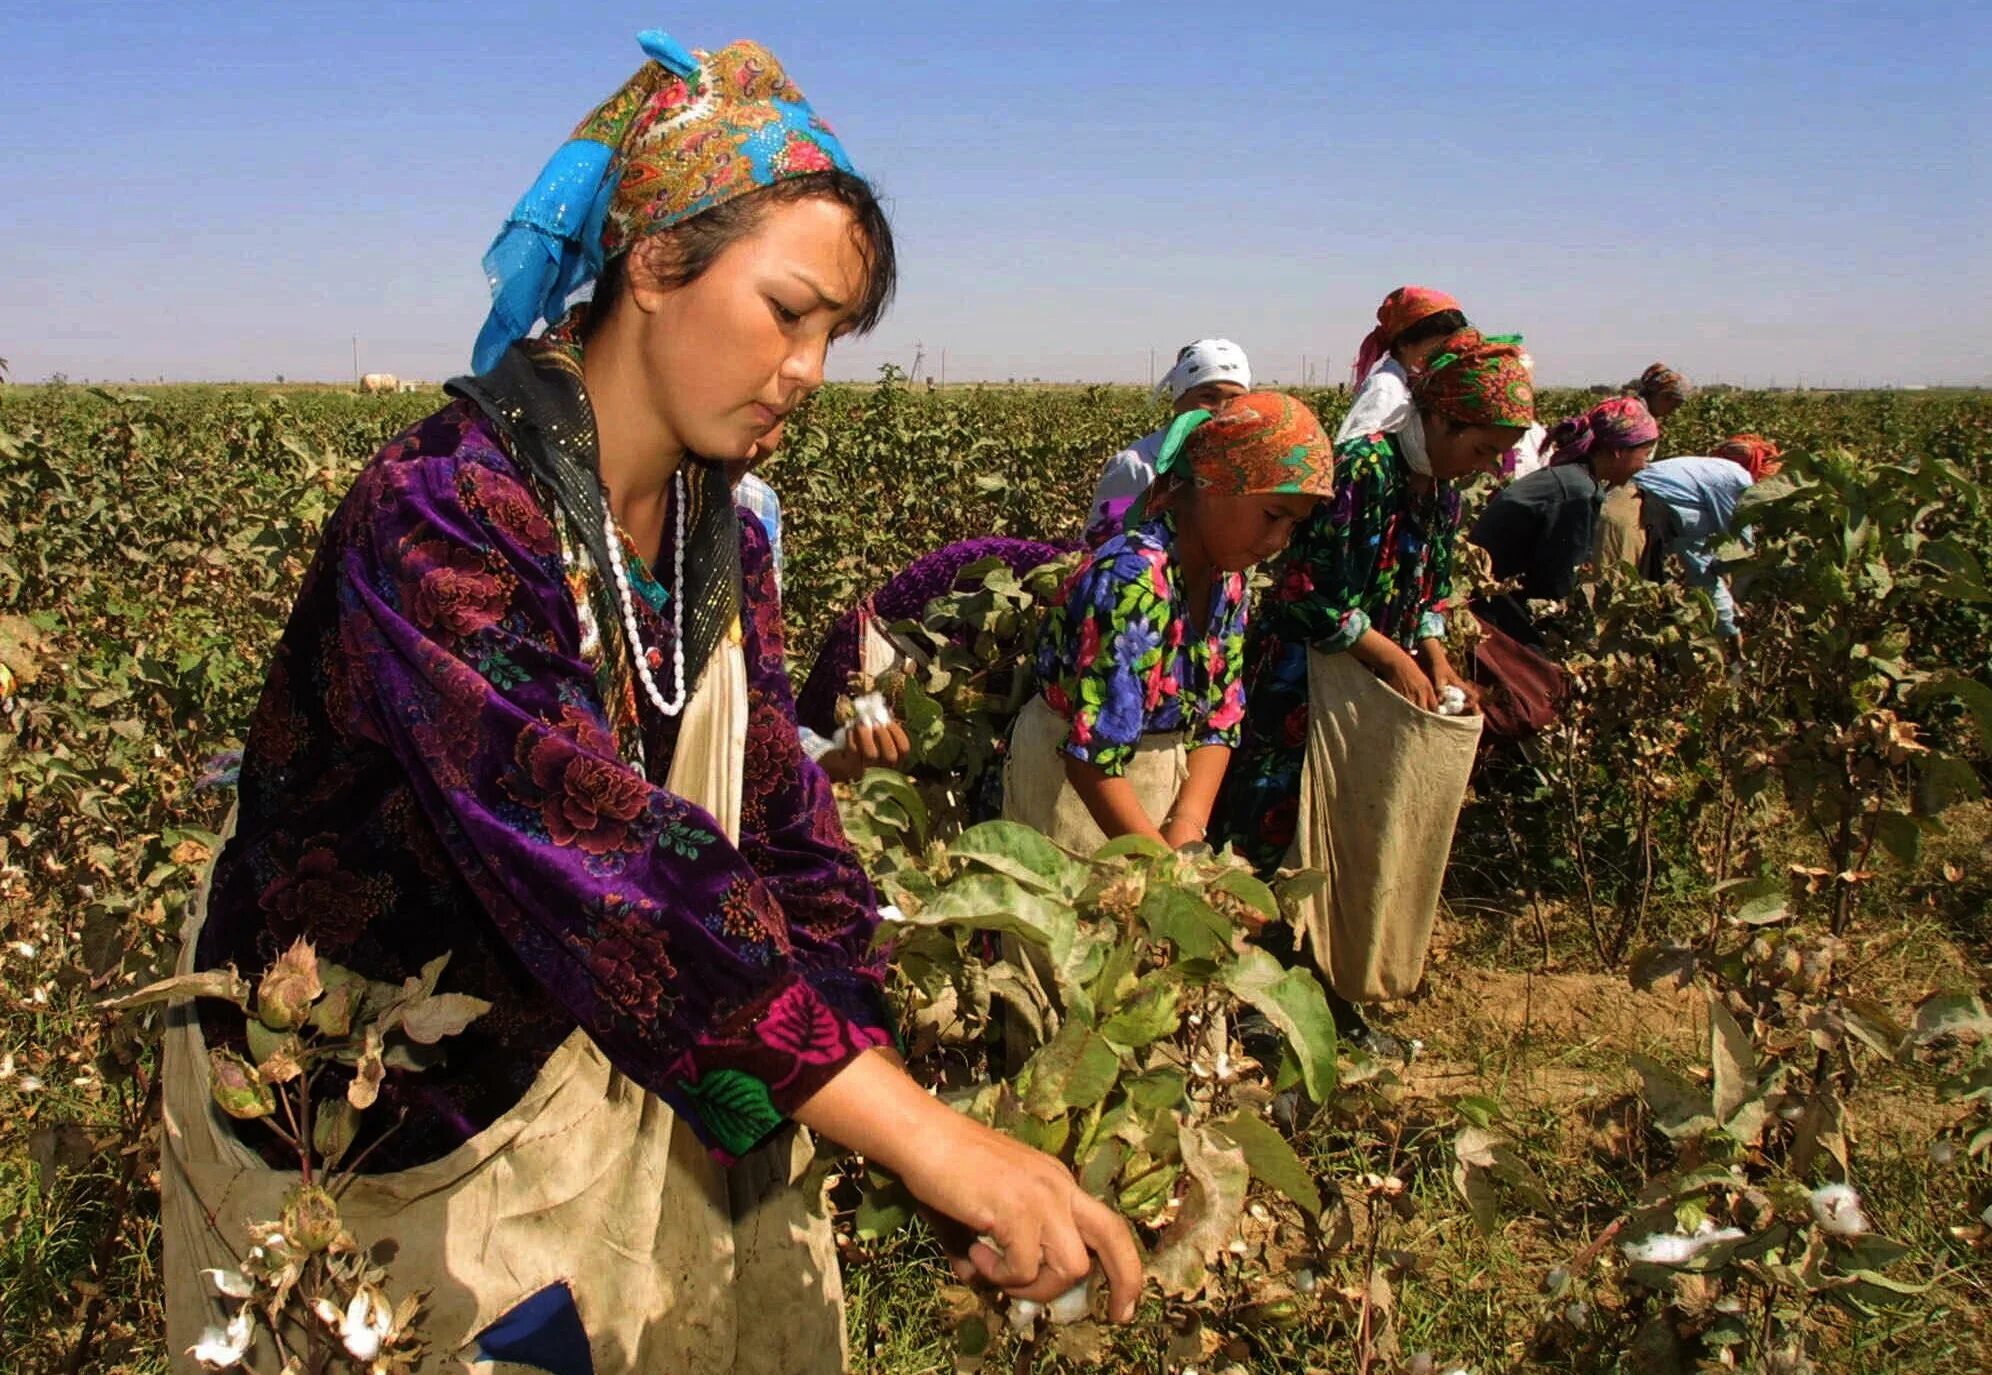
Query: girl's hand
867	747
1046	1229
1443	675
1401	673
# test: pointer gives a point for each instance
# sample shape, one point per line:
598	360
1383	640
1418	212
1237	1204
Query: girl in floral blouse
1371	574
1140	661
530	714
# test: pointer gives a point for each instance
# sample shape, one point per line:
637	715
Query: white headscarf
1207	360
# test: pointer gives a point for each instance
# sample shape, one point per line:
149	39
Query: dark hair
692	245
1431	327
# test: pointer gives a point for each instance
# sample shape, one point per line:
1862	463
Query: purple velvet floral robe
431	770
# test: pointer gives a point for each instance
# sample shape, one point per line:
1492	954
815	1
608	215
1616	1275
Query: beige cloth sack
1621	535
676	1265
1379	795
1035	790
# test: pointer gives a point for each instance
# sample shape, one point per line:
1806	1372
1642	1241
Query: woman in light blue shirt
1689	504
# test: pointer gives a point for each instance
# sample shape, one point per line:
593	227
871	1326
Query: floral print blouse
431	770
1378	555
1118	659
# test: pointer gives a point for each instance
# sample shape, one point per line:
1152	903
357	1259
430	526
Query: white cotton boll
1671	1248
1662	1248
888	912
1837	1208
871	710
1071	1306
1942	1152
1024	1316
1452	700
222	1347
231	1283
366	1324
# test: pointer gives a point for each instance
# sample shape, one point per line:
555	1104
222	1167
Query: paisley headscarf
1400	310
1661	383
1476	380
1761	456
1256	443
1620	423
689	131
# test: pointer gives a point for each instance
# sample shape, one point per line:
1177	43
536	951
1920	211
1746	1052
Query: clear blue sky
1760	192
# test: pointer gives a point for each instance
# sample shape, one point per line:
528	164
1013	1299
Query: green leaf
1680	1108
1943	780
1291	1000
1974	695
1026	855
885	1206
1951	1014
1900	835
1174	914
1148	1015
1138	845
1270	1157
1250	891
334	1124
1075	1069
1157	1092
995	902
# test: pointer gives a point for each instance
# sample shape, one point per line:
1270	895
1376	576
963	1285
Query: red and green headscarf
1475	380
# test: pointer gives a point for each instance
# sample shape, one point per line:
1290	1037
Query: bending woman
1361	599
1206	372
1688	506
530	712
859	641
1543	527
1140	660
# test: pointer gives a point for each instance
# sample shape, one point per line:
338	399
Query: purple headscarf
1620	423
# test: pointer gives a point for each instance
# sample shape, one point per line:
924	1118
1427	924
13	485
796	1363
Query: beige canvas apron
1036	792
1621	537
676	1265
1380	793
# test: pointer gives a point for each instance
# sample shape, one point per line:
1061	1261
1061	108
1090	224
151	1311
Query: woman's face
1205	396
1235	532
1414	356
1459	451
724	358
1662	405
1614	467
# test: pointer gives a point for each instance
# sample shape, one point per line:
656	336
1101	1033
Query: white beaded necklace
641	658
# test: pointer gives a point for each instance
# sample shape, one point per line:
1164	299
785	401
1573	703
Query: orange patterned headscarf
1400	310
1762	457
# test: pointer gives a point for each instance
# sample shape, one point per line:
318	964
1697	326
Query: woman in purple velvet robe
469	740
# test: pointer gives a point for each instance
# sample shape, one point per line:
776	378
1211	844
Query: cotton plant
304	1280
1096	1009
